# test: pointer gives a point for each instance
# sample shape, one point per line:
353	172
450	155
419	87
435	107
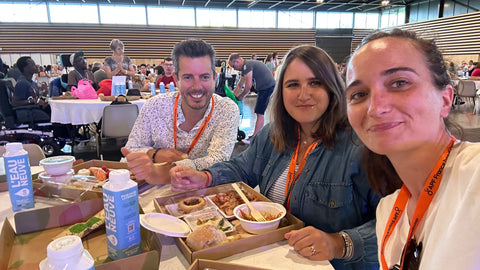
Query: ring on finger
312	248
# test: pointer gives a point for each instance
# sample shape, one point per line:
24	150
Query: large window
23	12
153	14
122	14
366	20
216	17
393	17
73	13
256	18
295	19
171	16
334	20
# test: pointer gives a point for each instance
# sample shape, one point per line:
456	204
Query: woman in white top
399	96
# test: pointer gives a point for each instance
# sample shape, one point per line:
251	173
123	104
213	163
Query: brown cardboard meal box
289	222
73	192
201	264
36	228
100	163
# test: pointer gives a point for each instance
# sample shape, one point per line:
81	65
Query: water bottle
116	90
120	202
152	89
67	253
130	84
19	177
123	89
172	87
162	87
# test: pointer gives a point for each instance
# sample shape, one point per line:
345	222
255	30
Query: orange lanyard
292	177
426	197
199	132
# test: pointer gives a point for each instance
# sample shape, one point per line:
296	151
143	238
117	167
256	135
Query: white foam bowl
256	227
56	179
58	165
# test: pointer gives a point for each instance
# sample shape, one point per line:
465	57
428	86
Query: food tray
213	216
239	201
174	210
241	240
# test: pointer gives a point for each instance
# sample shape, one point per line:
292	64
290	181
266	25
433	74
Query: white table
274	256
81	111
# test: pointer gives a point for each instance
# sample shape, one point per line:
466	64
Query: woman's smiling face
304	96
392	102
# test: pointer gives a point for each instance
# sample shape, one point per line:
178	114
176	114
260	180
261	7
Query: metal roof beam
253	3
229	4
317	5
276	4
299	4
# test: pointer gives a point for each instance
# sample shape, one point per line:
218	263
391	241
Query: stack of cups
67	252
58	169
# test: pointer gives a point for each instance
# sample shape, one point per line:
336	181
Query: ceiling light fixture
385	3
319	1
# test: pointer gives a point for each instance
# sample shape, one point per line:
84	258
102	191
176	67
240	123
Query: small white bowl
256	227
58	165
56	179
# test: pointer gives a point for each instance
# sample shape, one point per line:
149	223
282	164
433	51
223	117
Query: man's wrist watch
154	154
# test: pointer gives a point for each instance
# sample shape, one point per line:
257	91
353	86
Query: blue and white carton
19	177
152	89
162	87
120	202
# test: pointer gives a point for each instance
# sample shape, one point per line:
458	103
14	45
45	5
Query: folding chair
117	122
467	89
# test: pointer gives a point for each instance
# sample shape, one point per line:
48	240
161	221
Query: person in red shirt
476	71
169	74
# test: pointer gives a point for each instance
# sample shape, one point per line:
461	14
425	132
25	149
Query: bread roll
191	204
205	236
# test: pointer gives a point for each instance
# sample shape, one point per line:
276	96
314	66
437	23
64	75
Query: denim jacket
331	194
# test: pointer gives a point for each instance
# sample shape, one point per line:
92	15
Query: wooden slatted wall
145	42
455	35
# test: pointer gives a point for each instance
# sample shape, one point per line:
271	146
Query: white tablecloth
274	256
81	111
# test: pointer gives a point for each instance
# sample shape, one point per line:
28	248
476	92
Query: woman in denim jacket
306	160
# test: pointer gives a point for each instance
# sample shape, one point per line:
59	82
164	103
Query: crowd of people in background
361	151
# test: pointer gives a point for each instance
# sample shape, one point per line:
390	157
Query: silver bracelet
348	248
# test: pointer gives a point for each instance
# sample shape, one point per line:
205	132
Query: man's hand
240	97
326	246
141	165
184	178
42	103
167	155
